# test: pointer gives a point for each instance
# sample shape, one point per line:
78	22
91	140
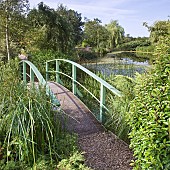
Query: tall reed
115	118
29	128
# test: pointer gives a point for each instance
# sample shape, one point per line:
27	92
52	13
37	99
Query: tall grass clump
27	126
115	117
30	131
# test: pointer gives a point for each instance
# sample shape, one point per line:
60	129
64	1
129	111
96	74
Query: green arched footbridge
34	72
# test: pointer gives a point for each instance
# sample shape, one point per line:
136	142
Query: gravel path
103	150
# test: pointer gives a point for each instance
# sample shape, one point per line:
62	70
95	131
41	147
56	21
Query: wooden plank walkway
103	150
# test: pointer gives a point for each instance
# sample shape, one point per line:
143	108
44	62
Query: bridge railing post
31	75
46	67
24	72
57	72
74	79
102	101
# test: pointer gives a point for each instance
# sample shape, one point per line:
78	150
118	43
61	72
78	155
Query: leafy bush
145	52
149	116
133	44
145	49
86	55
75	162
40	57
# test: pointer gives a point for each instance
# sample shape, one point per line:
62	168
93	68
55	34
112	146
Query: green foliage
30	131
74	162
102	38
12	25
94	32
145	52
27	125
115	118
159	30
39	29
149	114
116	33
133	44
40	57
145	49
59	30
86	55
96	35
68	145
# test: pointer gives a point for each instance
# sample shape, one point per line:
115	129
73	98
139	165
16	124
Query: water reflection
119	64
131	61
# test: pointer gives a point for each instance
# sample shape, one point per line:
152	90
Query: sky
130	13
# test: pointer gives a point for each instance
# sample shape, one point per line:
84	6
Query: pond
126	64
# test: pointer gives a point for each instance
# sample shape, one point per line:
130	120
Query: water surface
118	64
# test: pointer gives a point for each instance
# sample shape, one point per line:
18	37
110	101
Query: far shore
118	52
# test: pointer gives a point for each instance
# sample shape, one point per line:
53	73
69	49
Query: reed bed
30	131
115	118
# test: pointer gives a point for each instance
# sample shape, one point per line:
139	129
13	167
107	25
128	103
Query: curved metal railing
33	71
103	84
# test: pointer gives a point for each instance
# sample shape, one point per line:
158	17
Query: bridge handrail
107	85
42	81
103	83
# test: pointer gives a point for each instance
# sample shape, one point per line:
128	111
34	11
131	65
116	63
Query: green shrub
149	116
133	44
39	58
145	49
86	55
74	162
145	52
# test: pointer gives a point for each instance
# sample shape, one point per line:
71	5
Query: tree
73	26
159	30
12	13
43	24
95	35
61	29
116	33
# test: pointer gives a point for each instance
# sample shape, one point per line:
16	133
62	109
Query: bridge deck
103	150
81	120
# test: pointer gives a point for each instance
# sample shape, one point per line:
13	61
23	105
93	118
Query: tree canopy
12	25
59	29
62	29
160	29
116	33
